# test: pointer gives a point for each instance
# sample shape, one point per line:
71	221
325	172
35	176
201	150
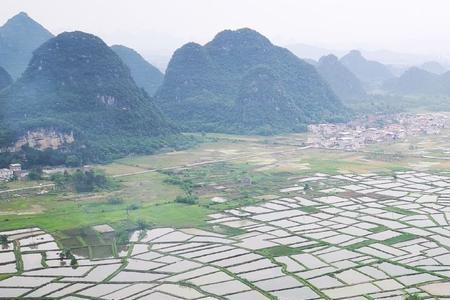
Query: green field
241	169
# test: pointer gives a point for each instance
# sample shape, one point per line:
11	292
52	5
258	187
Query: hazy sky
160	26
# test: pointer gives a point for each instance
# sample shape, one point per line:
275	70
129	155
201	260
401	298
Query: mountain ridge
204	86
75	84
19	37
144	73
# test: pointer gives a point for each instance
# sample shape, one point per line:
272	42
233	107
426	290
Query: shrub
74	262
189	199
142	224
35	174
413	297
133	206
3	240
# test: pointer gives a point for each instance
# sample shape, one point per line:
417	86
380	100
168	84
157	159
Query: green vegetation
188	199
146	75
343	82
3	240
115	201
309	209
30	158
35	174
368	71
413	297
76	87
416	81
279	251
378	229
399	210
82	182
241	83
404	237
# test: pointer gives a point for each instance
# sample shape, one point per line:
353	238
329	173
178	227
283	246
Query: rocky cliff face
43	139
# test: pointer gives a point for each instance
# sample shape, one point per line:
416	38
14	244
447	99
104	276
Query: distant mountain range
146	75
78	90
19	37
343	82
416	81
241	82
386	57
433	67
74	93
368	71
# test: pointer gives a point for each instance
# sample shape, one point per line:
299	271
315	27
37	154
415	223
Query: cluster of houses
14	171
375	129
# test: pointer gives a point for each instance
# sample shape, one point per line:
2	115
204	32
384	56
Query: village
14	171
375	129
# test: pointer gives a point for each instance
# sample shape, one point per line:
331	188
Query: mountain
433	67
343	82
77	91
241	82
368	71
19	37
5	78
416	81
144	74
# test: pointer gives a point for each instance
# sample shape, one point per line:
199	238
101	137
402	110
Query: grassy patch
360	244
400	211
309	209
398	239
378	229
279	251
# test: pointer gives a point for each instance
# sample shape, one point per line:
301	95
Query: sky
158	27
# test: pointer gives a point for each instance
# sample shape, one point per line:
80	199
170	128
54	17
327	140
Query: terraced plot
348	236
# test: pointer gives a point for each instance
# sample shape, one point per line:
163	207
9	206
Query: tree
73	161
4	240
35	174
64	254
142	225
306	187
74	262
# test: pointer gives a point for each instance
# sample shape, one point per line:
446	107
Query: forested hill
76	84
19	37
343	82
145	74
416	81
368	71
241	83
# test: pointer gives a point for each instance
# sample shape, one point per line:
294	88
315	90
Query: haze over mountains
368	71
19	37
416	81
146	76
343	82
77	89
386	57
78	94
241	82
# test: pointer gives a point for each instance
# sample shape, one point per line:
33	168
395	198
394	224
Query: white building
6	174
